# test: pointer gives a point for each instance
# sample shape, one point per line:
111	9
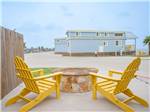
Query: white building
89	42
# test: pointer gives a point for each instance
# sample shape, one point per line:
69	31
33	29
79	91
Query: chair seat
106	85
46	84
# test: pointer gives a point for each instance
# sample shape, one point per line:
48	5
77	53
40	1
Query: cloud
64	8
68	14
52	26
66	11
30	27
123	14
34	27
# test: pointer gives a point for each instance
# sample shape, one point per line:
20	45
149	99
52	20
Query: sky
42	22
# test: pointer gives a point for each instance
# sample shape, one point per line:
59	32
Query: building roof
95	31
95	38
130	35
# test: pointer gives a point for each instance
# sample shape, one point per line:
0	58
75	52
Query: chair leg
129	93
111	97
33	103
58	79
57	91
120	104
94	92
94	87
16	98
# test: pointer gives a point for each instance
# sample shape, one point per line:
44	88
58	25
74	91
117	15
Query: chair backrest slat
128	75
25	75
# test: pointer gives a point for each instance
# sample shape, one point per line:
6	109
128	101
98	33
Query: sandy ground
82	101
103	63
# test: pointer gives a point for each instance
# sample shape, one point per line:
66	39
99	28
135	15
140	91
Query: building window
105	43
77	33
118	34
97	34
89	34
102	34
108	34
71	34
67	34
117	43
120	43
111	34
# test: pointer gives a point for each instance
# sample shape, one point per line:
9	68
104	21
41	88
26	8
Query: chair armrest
47	76
111	72
104	77
39	71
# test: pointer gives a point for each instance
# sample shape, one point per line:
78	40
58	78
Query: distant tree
147	42
25	45
39	48
42	48
52	49
32	49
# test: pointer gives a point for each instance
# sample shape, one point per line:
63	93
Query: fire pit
75	79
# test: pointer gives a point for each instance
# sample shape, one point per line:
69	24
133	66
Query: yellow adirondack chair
110	87
43	86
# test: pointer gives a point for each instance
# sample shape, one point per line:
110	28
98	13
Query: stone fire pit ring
75	80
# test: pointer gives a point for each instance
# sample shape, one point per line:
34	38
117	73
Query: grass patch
46	70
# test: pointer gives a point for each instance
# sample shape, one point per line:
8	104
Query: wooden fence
11	45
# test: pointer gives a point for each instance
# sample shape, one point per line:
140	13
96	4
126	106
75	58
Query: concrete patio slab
82	101
78	102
